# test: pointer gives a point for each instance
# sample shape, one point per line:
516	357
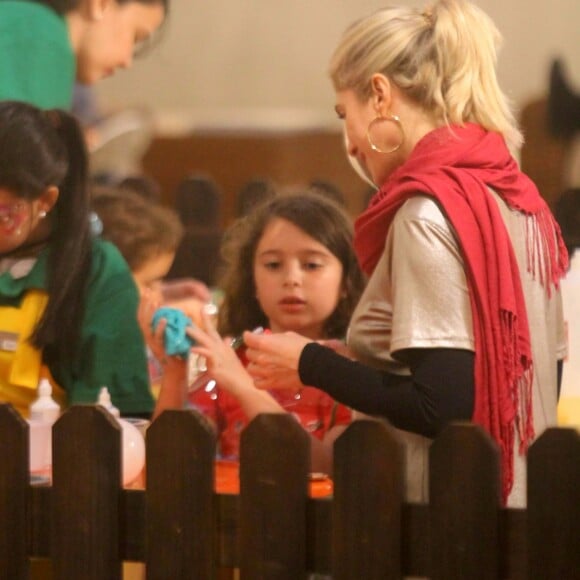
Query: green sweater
112	350
37	63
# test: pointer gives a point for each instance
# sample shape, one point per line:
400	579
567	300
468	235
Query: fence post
464	495
86	493
368	497
14	481
553	519
179	497
274	466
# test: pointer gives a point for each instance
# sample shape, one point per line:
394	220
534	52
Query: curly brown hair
139	228
318	217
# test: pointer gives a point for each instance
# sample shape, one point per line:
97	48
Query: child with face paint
68	302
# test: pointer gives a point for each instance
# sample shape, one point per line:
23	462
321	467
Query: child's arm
224	367
174	380
227	370
322	451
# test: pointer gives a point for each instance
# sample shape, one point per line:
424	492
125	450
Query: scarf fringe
518	403
546	255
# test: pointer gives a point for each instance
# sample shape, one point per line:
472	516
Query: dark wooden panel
13	495
40	520
554	505
290	159
179	492
416	539
465	502
274	466
85	495
227	518
368	497
133	525
513	544
318	535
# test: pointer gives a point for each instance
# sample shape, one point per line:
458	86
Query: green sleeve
37	64
112	351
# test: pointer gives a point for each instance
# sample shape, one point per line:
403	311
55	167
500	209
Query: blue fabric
175	340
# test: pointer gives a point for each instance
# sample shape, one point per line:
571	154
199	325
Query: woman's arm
440	388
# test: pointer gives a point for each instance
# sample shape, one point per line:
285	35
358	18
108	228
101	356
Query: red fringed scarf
456	167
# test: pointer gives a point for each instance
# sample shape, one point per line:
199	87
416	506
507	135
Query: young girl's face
111	40
149	275
19	219
298	280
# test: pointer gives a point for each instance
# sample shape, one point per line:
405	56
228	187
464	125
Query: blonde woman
461	318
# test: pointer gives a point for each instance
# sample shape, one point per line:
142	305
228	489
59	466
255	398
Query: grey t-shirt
417	297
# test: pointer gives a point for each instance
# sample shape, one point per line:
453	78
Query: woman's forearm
440	388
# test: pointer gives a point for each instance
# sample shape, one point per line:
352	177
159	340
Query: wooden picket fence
181	529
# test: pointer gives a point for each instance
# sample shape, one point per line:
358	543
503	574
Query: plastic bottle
44	411
44	407
133	443
105	401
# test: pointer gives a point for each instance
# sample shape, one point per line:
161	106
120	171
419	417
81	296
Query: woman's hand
274	359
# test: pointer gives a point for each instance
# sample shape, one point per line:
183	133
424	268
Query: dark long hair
39	149
315	215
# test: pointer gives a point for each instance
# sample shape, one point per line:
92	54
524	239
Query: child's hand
191	307
175	341
148	305
223	364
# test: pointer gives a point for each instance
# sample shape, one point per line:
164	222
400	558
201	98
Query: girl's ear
48	198
381	94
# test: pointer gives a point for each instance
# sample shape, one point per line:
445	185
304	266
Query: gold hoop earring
390	119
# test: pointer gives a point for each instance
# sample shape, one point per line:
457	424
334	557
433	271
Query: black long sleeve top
440	388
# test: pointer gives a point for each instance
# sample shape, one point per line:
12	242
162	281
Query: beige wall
228	56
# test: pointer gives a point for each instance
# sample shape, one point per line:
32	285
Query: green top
37	63
112	350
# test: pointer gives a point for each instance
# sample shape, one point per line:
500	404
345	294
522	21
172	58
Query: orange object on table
227	480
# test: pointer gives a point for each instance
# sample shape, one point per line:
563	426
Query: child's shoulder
108	267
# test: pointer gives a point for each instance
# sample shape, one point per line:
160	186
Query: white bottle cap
105	400
44	408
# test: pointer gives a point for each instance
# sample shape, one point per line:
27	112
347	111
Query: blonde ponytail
443	57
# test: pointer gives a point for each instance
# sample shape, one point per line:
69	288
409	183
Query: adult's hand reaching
274	359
